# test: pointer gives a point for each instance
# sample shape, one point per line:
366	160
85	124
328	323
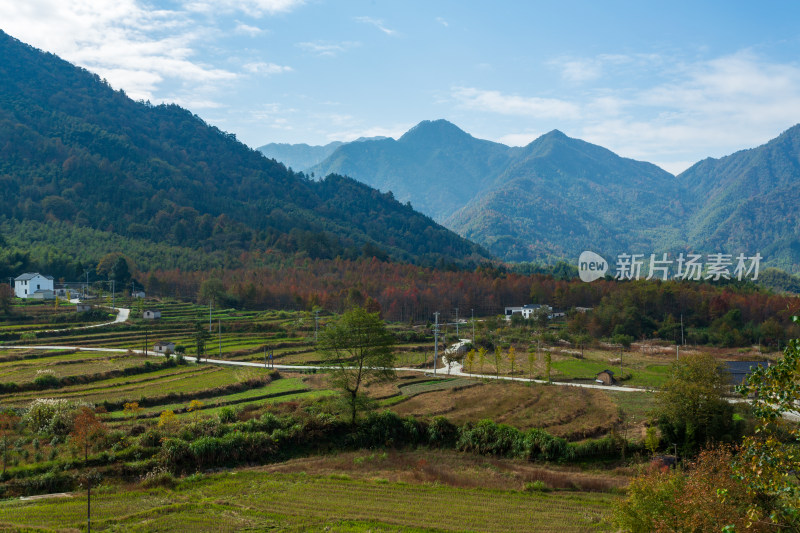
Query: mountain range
558	195
85	170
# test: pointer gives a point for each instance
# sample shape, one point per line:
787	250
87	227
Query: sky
669	82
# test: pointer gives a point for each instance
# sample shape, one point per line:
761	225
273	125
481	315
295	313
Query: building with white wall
26	285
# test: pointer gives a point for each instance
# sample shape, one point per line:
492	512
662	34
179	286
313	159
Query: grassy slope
298	502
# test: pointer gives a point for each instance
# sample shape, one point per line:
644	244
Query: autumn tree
358	347
706	496
470	359
498	356
86	429
481	357
512	358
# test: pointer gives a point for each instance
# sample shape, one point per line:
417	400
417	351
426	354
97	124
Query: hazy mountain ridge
435	165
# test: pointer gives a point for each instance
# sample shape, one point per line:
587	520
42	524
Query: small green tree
531	363
548	361
201	335
498	356
358	347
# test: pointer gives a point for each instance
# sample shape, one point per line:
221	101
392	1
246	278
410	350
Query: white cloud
443	22
133	47
246	29
329	49
266	68
497	102
711	107
377	23
254	8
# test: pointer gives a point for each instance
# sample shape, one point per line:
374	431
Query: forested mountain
562	195
558	196
435	165
749	200
80	157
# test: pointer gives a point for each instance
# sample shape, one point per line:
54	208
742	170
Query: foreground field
254	499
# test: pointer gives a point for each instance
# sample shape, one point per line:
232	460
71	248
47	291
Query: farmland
291	463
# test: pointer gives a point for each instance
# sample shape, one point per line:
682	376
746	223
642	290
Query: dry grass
568	412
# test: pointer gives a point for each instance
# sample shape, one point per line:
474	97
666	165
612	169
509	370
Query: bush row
270	438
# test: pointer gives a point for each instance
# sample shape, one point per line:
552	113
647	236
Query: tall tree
358	347
692	410
201	335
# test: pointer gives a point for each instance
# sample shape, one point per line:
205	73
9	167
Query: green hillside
76	153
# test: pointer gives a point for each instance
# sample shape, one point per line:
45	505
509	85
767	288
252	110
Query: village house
82	307
527	311
151	314
164	347
29	284
138	294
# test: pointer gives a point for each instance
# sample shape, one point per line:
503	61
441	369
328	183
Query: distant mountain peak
429	130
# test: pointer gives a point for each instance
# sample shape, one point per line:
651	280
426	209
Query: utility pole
473	327
457	323
209	315
316	324
219	325
436	341
113	293
683	341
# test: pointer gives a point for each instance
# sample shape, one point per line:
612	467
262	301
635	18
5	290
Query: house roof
609	372
30	276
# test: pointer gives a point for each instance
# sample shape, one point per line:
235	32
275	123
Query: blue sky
668	82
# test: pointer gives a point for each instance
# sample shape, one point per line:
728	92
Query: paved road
122	316
456	369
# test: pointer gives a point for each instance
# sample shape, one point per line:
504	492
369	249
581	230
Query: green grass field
254	500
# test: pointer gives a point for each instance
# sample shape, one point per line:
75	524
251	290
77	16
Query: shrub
47	415
442	433
159	477
46	380
488	438
227	415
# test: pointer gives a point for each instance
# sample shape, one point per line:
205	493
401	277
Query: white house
164	347
26	285
151	314
138	294
527	310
